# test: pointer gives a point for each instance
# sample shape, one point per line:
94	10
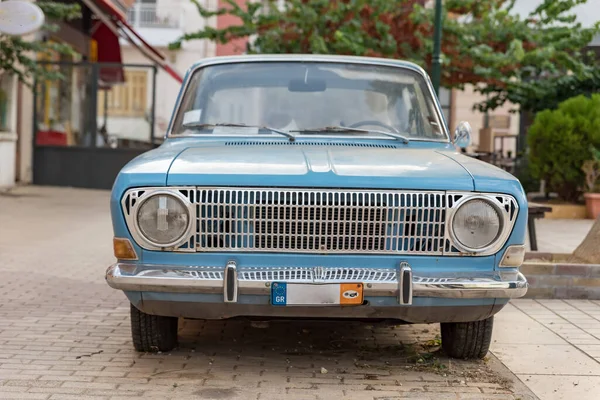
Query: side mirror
462	135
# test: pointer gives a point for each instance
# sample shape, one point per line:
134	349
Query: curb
560	280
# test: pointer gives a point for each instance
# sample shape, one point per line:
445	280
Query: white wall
173	9
8	138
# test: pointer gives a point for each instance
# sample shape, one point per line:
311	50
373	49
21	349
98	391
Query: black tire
467	340
153	333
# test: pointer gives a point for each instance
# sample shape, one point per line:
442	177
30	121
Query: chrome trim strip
505	205
134	198
496	285
172	279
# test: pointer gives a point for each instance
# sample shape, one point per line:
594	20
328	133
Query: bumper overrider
232	280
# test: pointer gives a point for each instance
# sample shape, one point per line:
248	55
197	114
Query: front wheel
467	340
153	333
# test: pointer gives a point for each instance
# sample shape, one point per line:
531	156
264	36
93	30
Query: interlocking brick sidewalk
553	346
64	334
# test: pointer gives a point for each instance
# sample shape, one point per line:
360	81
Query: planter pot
566	211
592	203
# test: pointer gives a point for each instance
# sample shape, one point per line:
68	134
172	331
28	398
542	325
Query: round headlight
163	219
476	224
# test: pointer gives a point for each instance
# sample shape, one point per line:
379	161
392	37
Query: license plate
308	294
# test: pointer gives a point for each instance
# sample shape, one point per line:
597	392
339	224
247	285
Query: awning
114	20
108	51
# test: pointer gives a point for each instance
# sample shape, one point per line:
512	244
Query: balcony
150	16
158	25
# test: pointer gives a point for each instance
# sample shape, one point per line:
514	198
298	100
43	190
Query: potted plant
591	168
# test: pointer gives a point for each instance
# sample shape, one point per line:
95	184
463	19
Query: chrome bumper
232	281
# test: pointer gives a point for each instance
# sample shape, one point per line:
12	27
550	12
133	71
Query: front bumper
232	281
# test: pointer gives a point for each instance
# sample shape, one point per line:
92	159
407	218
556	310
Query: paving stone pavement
64	334
552	345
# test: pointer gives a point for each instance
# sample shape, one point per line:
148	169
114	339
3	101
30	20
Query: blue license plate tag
279	293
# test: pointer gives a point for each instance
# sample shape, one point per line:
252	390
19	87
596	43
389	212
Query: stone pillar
8	151
8	136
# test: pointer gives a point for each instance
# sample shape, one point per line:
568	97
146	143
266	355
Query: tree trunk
589	249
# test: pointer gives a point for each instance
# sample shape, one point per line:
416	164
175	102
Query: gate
84	129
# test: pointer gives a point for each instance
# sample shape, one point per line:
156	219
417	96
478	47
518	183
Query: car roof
308	58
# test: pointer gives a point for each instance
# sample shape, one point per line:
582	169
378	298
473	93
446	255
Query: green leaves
507	57
59	11
515	50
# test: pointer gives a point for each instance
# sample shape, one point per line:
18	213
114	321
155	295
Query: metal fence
149	16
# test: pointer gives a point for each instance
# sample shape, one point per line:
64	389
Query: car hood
319	166
337	165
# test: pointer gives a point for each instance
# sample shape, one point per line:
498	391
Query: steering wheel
375	123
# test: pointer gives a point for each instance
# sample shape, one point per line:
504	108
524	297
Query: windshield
304	96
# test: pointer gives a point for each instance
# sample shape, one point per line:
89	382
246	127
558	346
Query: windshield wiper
198	125
358	130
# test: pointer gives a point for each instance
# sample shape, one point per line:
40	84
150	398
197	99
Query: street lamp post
436	62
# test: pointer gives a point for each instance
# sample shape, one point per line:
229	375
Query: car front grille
320	221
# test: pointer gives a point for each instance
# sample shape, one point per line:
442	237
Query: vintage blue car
315	187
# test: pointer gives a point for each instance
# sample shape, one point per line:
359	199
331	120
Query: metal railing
149	16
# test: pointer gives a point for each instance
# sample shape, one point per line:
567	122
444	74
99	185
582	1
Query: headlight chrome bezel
134	199
506	207
136	219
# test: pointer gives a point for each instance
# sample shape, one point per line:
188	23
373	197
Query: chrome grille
296	274
314	221
318	274
205	273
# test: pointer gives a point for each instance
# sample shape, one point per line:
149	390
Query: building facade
58	132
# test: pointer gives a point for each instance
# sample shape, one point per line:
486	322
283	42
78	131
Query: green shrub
560	141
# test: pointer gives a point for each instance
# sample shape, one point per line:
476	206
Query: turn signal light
513	256
124	249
